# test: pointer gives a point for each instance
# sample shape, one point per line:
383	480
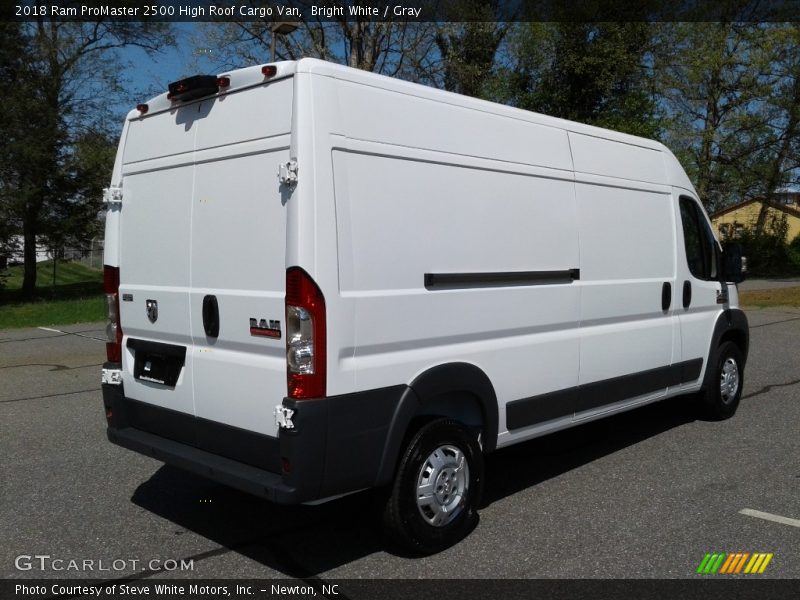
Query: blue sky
148	75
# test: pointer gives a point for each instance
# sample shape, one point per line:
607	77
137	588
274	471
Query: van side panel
446	218
375	114
627	256
598	156
405	213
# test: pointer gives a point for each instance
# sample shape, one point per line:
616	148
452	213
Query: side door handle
211	316
687	294
666	296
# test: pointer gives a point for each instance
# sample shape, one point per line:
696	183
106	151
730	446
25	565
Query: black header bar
696	588
401	11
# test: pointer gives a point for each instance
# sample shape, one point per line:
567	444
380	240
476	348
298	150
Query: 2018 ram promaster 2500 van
322	280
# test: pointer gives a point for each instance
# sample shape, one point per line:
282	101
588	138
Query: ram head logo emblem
152	310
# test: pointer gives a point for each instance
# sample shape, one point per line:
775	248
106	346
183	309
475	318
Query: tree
20	143
467	45
782	164
85	172
595	73
397	48
711	80
66	75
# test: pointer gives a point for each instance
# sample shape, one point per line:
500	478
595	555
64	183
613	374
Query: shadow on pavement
299	541
303	541
521	466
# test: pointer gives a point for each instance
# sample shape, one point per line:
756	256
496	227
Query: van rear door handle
211	316
687	294
666	296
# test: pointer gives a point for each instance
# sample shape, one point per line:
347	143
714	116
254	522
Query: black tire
455	491
721	400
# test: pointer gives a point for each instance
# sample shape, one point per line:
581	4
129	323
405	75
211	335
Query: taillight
113	328
305	336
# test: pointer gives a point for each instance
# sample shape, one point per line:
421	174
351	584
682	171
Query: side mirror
733	263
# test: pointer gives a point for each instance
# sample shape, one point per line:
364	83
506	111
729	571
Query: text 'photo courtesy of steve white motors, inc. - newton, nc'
222	10
175	590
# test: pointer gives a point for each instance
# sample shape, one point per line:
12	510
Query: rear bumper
338	445
224	470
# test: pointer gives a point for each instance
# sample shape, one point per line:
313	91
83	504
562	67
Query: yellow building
733	220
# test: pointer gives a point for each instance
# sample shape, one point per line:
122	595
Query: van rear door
155	259
238	258
202	260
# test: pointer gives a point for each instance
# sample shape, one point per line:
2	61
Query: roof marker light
223	82
269	70
142	108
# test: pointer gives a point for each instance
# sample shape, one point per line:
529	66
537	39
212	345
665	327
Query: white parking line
770	517
88	337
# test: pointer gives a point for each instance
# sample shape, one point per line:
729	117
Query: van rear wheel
437	488
725	390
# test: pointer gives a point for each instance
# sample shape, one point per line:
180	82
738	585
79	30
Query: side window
698	241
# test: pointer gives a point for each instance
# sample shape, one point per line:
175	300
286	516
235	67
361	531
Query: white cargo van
322	280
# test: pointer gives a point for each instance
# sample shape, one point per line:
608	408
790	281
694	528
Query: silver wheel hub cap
729	380
442	485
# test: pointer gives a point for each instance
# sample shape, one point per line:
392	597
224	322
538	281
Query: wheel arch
731	325
460	391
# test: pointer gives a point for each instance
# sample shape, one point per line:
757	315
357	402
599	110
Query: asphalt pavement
642	495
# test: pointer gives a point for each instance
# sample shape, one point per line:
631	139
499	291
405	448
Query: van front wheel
437	488
725	390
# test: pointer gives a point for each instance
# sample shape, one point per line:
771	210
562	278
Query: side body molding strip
552	405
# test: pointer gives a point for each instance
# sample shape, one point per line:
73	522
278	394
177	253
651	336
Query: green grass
56	312
76	297
73	280
788	296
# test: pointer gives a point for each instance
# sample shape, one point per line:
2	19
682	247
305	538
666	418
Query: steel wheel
729	380
437	487
442	484
724	382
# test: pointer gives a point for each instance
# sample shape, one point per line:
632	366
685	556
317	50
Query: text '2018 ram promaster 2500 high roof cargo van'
428	278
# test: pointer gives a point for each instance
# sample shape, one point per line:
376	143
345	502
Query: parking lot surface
642	495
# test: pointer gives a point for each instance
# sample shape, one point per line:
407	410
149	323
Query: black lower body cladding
564	403
337	444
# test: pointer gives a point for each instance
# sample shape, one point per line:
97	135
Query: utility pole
280	28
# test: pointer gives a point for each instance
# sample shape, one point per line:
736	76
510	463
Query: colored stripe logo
733	563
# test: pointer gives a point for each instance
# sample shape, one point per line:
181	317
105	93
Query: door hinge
283	417
287	172
112	195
